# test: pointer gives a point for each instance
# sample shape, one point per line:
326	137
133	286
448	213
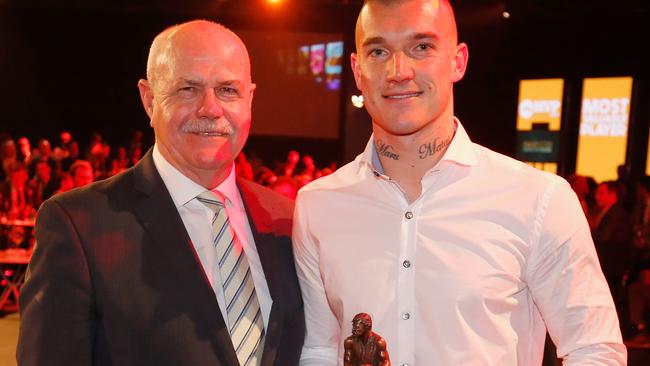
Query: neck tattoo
431	148
386	150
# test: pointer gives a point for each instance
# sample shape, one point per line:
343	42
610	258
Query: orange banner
604	119
540	101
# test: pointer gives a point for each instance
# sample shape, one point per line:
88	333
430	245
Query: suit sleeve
56	302
568	285
323	331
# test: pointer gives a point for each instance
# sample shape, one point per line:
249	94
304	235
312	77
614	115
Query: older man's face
201	112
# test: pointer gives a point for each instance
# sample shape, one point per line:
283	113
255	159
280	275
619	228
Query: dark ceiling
52	49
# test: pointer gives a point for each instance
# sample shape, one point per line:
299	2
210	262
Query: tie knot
212	200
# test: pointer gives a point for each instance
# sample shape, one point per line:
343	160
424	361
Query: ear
146	96
356	68
252	92
459	62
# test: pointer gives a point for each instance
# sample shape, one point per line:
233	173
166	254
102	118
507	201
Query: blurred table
7	222
13	264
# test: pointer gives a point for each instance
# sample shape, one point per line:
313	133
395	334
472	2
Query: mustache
207	126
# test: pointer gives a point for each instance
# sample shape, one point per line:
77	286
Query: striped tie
244	316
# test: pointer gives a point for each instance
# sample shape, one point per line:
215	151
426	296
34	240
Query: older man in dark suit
175	261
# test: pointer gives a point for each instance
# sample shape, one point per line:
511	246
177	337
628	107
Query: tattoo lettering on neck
431	148
386	150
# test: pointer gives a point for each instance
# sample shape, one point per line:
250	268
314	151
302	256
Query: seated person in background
613	235
639	277
16	197
265	176
43	152
82	173
288	168
65	183
243	168
639	301
43	183
286	186
580	186
15	238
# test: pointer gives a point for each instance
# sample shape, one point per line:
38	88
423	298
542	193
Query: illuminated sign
539	117
604	119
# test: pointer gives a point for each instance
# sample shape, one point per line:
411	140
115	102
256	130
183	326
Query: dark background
75	64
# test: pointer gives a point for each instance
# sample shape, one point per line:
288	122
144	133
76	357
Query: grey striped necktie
244	315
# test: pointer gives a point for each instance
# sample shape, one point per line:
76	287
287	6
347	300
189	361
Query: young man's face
406	63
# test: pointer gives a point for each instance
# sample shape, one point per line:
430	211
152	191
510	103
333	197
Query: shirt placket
406	316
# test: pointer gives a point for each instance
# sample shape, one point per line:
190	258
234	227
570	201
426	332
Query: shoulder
258	195
97	194
503	168
347	175
349	341
381	342
269	211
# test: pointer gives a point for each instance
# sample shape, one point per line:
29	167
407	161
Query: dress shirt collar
460	151
182	189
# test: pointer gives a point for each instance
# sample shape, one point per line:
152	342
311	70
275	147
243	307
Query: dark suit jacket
115	280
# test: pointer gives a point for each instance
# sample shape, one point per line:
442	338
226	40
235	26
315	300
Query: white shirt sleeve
323	330
568	285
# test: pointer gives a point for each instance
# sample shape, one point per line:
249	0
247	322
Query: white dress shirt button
406	263
408	215
406	364
406	316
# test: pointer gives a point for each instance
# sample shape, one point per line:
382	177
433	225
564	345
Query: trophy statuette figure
364	347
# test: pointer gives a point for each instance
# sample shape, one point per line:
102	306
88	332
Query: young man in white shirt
462	256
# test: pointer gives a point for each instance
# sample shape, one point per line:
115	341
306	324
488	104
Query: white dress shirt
197	220
473	272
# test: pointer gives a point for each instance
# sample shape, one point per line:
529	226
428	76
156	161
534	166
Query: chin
404	128
214	159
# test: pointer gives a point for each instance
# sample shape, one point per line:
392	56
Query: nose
399	68
210	105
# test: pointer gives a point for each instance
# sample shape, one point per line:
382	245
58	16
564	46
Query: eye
424	47
187	90
228	91
377	52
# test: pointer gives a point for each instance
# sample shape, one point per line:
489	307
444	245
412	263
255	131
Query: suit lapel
160	217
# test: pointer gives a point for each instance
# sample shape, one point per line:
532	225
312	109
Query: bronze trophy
364	347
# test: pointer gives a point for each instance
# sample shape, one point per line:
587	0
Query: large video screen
604	119
298	77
